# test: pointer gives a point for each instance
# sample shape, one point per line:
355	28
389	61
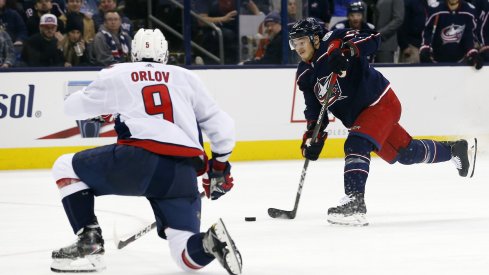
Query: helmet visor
299	42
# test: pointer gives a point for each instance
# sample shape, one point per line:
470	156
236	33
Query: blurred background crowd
66	33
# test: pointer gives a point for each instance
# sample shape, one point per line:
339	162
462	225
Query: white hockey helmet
149	44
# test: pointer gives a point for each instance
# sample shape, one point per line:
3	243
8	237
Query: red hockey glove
475	59
311	150
217	181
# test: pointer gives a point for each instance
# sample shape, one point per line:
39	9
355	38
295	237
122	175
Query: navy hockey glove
425	55
337	62
475	60
217	181
311	150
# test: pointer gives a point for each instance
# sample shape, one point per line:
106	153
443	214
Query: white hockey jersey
161	105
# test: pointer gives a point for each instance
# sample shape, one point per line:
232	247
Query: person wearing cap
41	49
41	7
273	50
354	19
73	45
73	8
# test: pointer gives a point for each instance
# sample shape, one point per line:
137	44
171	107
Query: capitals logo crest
321	91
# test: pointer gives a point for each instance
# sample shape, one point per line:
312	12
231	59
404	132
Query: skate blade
232	258
352	220
90	263
472	153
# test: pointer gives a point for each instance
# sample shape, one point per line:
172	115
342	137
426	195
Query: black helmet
309	26
355	7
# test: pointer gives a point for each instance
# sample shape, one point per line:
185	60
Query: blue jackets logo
18	105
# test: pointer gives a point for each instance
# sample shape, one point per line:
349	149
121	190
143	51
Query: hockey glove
425	55
311	150
217	181
337	62
475	60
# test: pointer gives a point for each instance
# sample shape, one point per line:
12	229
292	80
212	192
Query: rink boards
438	102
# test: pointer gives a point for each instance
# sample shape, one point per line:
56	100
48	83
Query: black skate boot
351	211
464	153
219	244
85	255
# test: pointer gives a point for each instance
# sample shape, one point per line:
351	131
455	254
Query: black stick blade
281	214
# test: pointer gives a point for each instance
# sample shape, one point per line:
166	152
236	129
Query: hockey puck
250	219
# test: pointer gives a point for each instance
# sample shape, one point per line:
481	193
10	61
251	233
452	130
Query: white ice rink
424	219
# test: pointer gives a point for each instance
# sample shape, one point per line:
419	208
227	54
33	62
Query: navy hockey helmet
306	27
355	7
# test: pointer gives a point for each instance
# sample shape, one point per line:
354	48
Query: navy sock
357	164
195	250
425	151
79	208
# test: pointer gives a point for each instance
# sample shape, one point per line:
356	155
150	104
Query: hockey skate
85	255
218	243
464	153
351	211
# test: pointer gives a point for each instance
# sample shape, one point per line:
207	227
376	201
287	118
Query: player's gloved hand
311	150
425	55
338	62
217	181
475	60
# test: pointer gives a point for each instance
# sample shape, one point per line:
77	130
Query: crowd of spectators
98	33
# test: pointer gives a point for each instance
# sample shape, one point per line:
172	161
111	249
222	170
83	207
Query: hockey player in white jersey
159	113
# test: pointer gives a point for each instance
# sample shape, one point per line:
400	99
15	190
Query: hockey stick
284	214
121	243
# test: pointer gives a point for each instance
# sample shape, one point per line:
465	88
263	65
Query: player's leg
352	208
78	202
368	133
178	221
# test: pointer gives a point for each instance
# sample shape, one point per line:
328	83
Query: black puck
250	219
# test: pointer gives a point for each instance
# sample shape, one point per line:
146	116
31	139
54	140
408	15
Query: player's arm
219	128
94	100
361	43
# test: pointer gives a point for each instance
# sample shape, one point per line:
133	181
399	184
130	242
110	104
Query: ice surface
424	219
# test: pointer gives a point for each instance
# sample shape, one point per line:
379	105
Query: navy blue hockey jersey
450	34
361	87
483	23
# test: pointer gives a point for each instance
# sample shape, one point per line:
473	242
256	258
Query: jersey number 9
157	101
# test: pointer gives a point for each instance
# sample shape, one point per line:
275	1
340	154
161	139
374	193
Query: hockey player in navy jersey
354	19
482	7
159	112
362	98
449	34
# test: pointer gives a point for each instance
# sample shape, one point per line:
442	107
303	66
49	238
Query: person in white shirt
159	113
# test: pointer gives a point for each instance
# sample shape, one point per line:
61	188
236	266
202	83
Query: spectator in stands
12	23
291	11
105	6
388	17
255	7
222	13
273	50
41	49
111	44
58	8
73	9
42	7
449	34
409	34
73	44
319	9
7	53
354	19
